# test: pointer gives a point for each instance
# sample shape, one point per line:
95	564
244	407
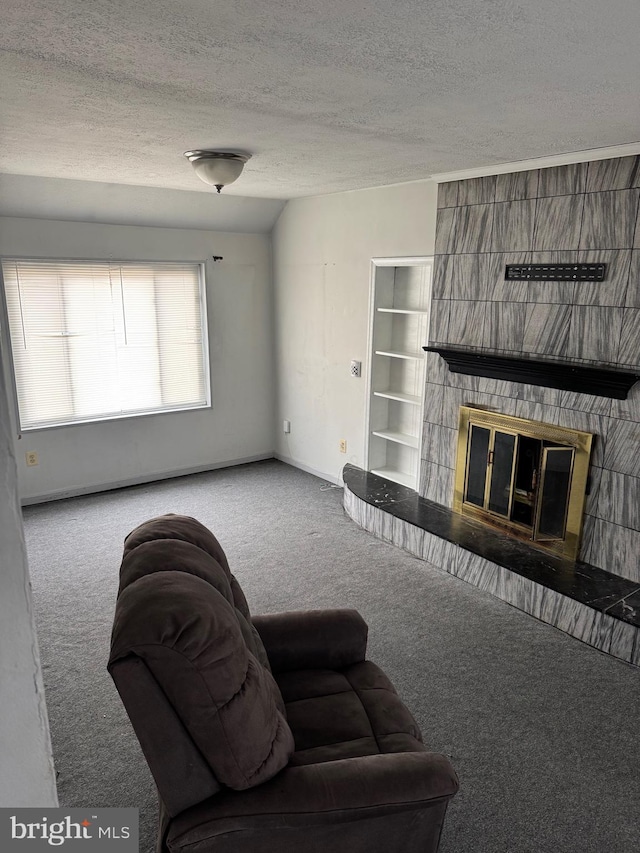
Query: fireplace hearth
587	602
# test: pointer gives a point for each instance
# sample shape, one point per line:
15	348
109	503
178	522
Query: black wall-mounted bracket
598	381
555	272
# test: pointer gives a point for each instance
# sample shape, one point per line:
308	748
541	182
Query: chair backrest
185	660
183	528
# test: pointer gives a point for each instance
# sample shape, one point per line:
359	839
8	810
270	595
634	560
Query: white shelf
402	311
412	399
397	437
398	319
410	356
401	477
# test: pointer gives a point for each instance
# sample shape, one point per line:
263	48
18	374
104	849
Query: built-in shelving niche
399	325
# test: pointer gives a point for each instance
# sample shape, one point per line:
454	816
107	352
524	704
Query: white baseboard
75	491
331	478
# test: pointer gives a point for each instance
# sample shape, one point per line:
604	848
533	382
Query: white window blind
96	340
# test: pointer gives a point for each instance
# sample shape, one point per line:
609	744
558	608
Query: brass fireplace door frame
560	439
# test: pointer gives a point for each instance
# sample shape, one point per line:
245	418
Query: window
93	340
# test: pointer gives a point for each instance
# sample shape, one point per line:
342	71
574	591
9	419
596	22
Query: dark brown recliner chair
263	735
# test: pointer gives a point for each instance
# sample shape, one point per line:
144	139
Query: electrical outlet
356	368
343	445
31	457
286	426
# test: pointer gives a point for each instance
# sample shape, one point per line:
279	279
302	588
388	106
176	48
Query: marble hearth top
587	584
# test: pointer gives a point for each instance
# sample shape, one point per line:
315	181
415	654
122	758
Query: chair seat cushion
346	713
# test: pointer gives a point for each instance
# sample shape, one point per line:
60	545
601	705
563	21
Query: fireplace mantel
565	375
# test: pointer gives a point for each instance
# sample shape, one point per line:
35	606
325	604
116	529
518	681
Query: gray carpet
542	730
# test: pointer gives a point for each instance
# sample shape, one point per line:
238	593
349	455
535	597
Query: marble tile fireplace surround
579	213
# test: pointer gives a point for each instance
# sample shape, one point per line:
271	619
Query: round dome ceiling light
217	168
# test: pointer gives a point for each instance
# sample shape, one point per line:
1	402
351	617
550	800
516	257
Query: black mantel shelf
597	381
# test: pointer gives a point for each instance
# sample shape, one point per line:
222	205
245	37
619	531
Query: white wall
27	776
322	248
239	426
123	204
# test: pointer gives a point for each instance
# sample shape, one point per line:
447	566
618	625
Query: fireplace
526	478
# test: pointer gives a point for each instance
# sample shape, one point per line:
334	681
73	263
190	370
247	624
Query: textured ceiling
327	95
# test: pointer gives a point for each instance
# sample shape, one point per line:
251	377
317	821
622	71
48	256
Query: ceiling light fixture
217	168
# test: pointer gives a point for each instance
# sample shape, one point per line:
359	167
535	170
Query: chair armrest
313	639
322	794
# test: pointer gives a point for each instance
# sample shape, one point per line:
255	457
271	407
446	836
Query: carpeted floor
542	730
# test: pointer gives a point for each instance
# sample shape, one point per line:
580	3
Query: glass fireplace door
553	494
490	469
524	477
501	463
